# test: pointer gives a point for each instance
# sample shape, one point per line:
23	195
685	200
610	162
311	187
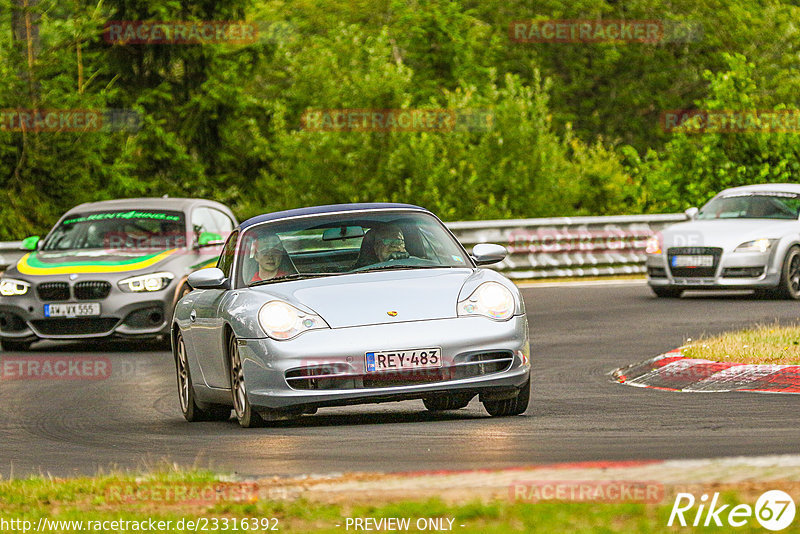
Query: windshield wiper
293	276
399	267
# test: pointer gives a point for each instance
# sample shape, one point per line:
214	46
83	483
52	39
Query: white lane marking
777	460
578	283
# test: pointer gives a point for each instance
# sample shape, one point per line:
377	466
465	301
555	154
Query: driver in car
390	244
271	259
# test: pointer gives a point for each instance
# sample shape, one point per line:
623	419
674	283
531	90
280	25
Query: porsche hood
379	297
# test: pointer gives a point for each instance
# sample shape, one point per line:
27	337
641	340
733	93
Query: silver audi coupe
743	238
349	304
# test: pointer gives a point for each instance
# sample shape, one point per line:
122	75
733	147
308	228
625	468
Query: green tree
693	167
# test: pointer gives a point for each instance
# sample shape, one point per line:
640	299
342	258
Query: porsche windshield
346	243
753	206
130	230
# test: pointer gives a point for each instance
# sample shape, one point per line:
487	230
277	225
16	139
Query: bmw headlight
490	299
12	288
283	321
146	282
758	245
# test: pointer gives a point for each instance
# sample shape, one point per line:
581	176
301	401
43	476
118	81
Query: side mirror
30	243
209	239
487	254
692	213
211	278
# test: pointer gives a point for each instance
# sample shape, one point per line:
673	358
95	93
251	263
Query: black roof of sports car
333	208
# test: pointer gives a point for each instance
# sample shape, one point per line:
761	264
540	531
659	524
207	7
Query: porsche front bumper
328	367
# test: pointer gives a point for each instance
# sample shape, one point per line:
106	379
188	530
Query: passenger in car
272	259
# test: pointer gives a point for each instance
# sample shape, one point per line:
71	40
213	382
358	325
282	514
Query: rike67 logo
774	510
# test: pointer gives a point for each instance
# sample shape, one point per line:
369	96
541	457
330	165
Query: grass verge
762	344
96	499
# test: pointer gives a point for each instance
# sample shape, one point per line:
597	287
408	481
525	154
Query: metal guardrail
540	248
10	253
568	246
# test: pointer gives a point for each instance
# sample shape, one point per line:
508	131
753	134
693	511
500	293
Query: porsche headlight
490	299
146	282
758	245
283	321
12	288
653	244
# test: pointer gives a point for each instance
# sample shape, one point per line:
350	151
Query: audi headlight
146	282
758	245
490	299
12	288
653	244
283	321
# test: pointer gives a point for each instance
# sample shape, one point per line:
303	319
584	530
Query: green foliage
574	127
516	166
696	166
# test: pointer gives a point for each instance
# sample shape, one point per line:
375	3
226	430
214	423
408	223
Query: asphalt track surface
132	420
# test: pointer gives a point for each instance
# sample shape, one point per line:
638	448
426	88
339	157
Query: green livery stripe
206	263
34	261
30	264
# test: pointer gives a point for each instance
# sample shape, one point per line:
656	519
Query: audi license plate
395	360
693	261
84	309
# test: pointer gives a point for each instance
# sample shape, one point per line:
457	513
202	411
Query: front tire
789	286
189	407
667	292
513	406
245	414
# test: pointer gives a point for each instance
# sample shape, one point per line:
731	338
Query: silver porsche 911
743	238
349	304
